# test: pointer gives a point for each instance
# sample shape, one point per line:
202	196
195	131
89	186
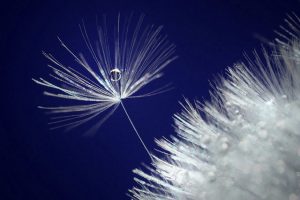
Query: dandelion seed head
253	125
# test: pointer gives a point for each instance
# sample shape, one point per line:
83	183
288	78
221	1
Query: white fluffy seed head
247	145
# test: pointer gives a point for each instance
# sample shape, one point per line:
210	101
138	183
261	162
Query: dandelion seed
137	56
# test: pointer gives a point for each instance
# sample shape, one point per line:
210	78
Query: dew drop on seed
115	74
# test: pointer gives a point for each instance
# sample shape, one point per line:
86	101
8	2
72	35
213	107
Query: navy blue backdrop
37	163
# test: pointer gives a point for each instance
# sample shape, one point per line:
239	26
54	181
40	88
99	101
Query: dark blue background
40	164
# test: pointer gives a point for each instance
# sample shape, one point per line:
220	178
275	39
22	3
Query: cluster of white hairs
123	61
244	143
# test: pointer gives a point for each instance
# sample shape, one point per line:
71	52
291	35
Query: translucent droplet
211	176
115	74
224	146
263	134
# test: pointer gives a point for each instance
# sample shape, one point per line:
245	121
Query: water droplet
263	134
206	139
115	75
211	176
224	147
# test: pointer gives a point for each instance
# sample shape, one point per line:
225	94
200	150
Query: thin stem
137	133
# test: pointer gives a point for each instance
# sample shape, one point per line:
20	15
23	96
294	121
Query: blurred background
37	163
